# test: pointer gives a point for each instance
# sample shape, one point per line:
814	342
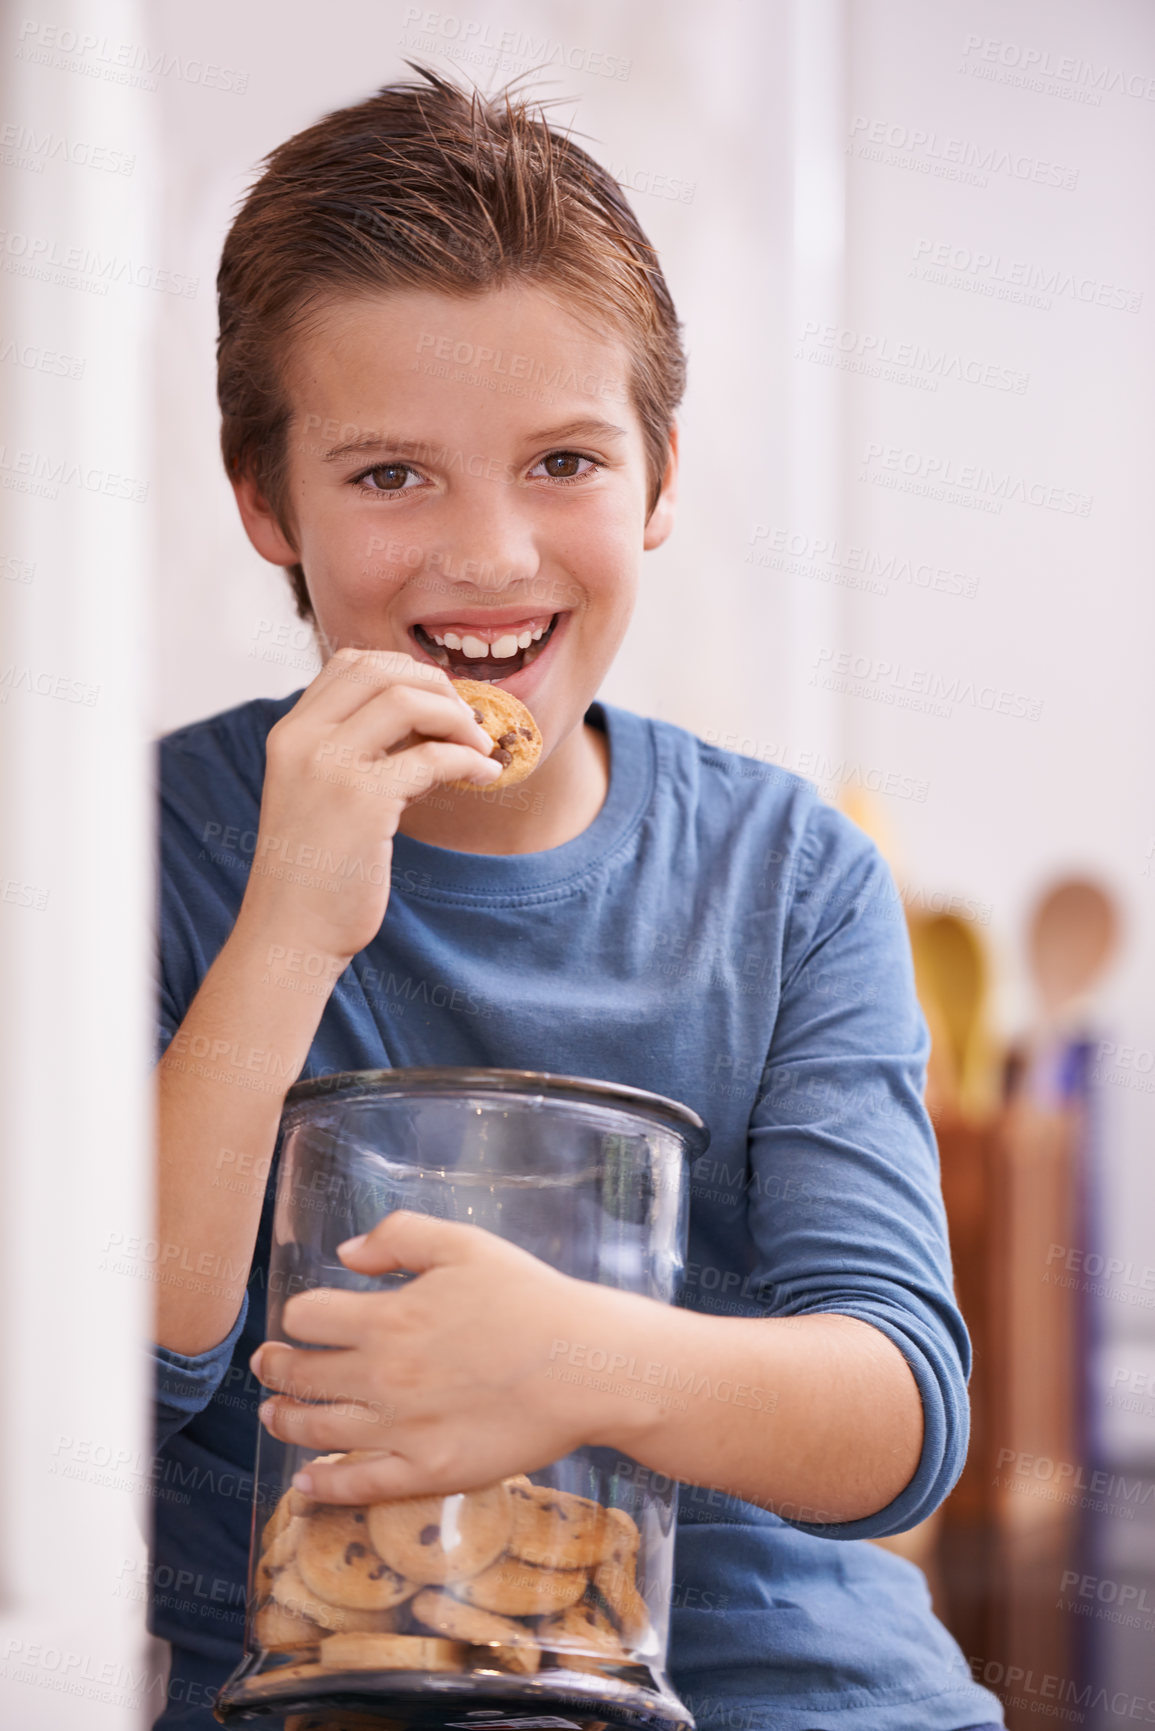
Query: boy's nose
487	547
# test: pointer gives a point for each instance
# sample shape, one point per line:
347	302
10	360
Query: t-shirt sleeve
183	1384
846	1203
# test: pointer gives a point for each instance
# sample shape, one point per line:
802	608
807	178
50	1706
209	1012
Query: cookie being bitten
516	735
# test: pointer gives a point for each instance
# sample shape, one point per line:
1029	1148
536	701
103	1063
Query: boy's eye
563	465
403	478
388	477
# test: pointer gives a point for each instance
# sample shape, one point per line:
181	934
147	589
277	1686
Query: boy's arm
221	1086
816	1417
862	1344
339	770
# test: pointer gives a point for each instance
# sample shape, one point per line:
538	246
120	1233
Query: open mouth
486	652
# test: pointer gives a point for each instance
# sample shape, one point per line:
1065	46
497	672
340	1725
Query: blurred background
912	249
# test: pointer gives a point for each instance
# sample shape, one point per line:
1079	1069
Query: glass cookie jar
540	1600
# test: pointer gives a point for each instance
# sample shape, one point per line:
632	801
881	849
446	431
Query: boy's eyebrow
590	429
376	442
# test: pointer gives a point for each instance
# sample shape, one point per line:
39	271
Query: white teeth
500	649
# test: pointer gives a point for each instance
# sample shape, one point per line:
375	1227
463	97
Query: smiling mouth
489	652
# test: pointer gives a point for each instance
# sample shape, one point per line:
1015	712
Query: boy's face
467	483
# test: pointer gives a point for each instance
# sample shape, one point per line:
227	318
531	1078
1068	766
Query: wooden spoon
1074	933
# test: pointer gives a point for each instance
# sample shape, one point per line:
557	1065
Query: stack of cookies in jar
514	1577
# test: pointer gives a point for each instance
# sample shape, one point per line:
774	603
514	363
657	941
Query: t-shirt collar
422	870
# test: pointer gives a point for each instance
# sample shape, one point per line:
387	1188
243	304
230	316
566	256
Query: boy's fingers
371	1476
352	676
372	1480
399	711
404	1239
325	1427
431	763
325	1316
414	771
306	1375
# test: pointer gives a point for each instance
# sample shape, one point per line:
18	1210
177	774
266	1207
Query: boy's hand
448	1372
374	731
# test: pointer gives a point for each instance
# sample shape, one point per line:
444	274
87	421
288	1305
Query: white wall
1055	615
77	181
1064	604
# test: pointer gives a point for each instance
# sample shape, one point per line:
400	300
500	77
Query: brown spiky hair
429	186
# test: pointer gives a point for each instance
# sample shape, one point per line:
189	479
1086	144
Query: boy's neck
558	802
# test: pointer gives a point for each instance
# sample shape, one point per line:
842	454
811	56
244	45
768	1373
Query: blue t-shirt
719	935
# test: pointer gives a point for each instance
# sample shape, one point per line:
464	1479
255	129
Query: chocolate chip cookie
513	1645
583	1629
337	1559
281	1551
520	1589
291	1592
283	1631
391	1653
516	736
615	1577
556	1529
433	1540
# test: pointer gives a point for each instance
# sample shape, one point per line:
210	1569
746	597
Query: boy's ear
661	518
261	526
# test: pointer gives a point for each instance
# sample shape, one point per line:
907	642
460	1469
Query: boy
448	372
